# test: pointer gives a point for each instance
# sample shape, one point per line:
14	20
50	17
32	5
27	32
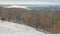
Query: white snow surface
15	6
15	29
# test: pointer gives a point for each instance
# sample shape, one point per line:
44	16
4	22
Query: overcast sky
30	1
33	0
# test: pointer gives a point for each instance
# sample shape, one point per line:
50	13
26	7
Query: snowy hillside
15	29
15	6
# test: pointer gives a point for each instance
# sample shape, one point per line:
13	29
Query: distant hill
31	7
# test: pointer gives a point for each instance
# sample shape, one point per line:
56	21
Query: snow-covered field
15	29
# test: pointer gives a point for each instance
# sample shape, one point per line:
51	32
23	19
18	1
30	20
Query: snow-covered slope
16	6
15	29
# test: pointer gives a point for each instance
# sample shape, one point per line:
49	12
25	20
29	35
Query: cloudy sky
29	1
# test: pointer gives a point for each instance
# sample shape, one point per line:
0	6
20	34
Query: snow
15	29
15	6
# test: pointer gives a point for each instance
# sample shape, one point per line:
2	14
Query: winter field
43	18
15	29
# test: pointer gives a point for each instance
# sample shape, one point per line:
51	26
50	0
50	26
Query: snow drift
15	29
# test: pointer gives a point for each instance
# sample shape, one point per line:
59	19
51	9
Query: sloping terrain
15	29
44	19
